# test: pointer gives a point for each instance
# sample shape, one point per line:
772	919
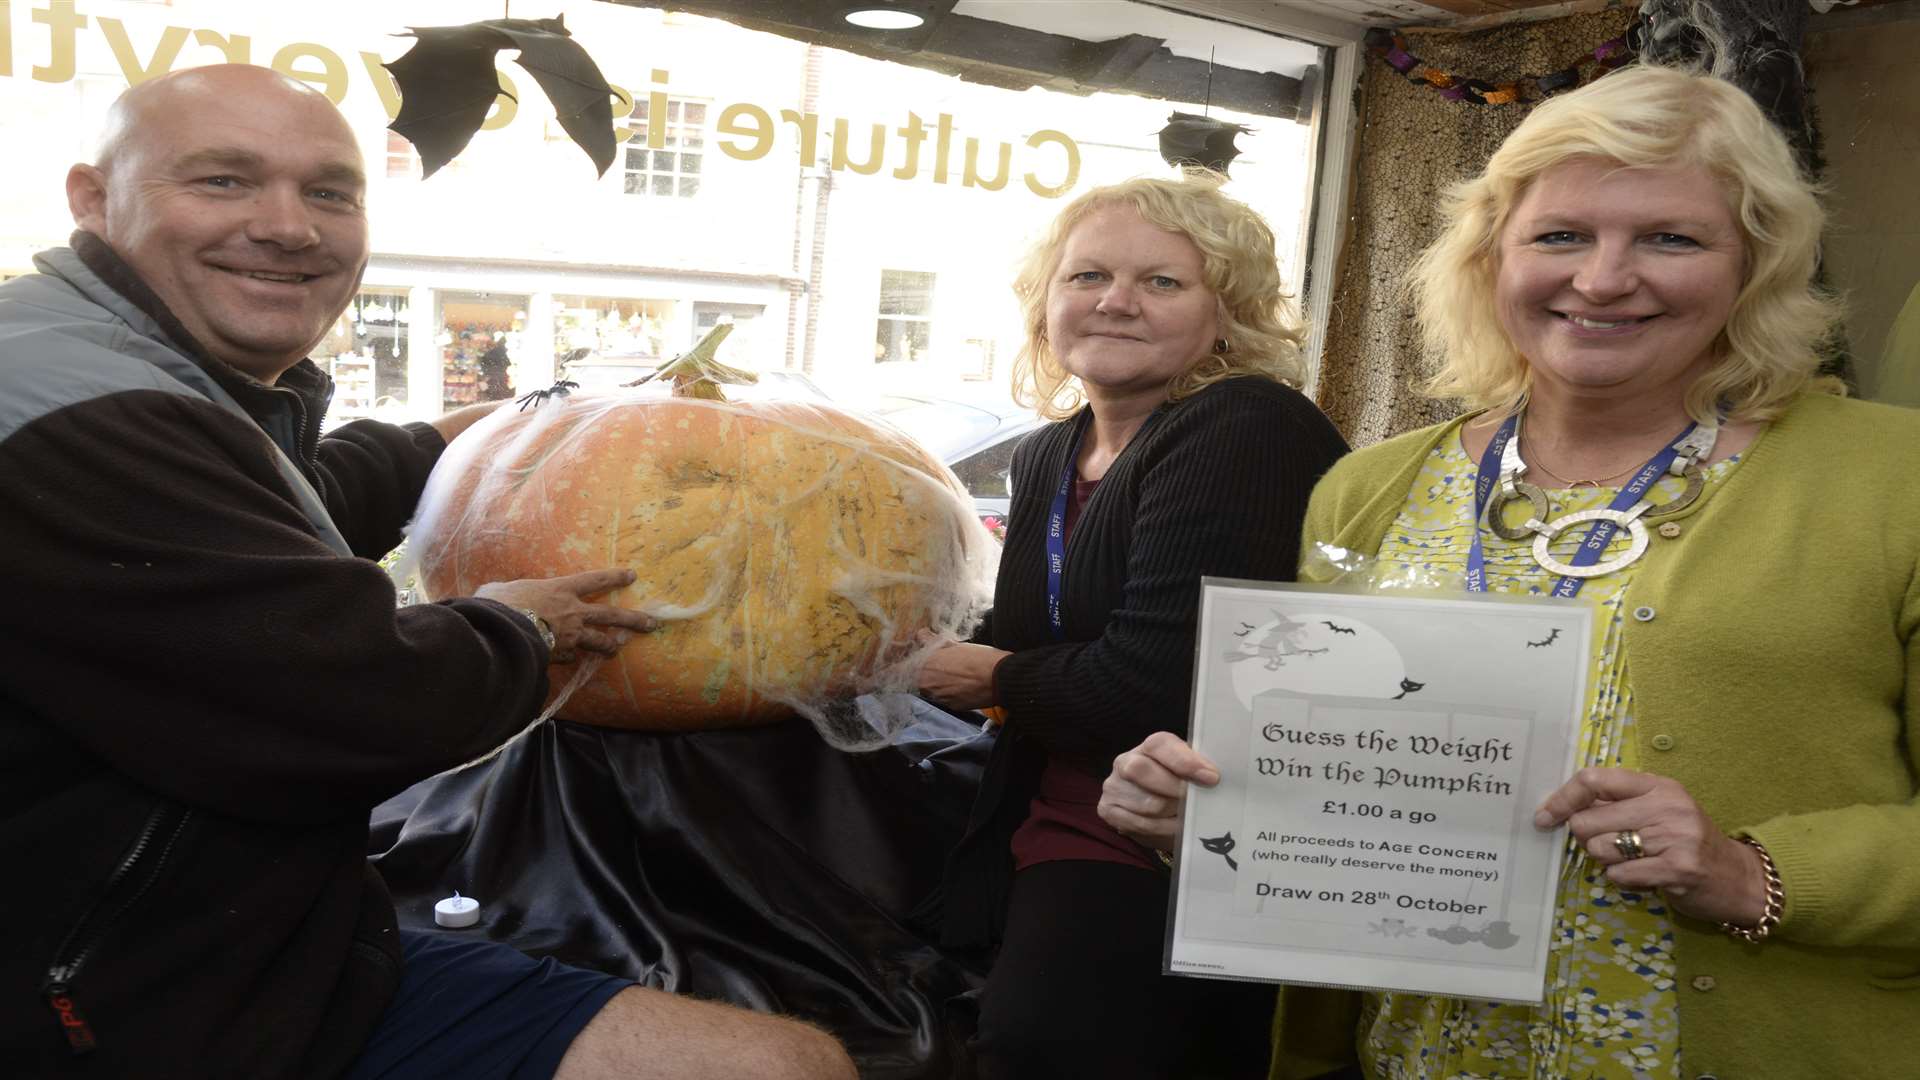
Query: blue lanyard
1597	538
1057	524
1057	536
1483	481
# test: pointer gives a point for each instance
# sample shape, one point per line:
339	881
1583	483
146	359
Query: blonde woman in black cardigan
1160	342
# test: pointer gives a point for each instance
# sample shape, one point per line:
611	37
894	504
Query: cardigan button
1703	983
1670	530
1706	1076
1662	742
1643	613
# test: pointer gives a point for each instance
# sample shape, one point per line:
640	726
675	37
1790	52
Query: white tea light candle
457	911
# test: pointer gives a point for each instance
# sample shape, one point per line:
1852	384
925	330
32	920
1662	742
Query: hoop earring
1220	345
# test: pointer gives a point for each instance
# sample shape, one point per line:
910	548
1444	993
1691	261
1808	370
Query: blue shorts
477	1009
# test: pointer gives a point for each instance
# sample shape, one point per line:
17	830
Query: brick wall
1865	79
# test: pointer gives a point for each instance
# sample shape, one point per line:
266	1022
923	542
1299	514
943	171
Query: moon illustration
1316	653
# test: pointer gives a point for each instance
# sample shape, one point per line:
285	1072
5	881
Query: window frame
676	131
403	158
1335	126
924	318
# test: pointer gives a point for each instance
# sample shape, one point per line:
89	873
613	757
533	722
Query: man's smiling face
239	199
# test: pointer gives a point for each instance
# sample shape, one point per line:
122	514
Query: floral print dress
1611	1011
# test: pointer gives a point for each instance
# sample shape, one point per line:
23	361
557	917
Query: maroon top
1062	823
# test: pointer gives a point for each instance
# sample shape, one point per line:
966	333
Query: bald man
205	685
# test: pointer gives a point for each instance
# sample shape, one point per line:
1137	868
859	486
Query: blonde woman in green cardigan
1627	283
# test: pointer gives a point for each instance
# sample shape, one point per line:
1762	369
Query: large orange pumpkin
790	550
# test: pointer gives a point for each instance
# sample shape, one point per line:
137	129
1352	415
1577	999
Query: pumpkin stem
696	374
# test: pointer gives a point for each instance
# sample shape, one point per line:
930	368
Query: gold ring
1628	843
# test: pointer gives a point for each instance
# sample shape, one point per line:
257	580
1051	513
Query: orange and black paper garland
1392	48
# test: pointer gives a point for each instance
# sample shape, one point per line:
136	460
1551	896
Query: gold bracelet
1776	898
1166	860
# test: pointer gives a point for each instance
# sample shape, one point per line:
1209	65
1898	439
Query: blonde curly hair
1262	331
1641	117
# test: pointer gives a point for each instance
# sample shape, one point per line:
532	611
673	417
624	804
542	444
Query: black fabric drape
756	866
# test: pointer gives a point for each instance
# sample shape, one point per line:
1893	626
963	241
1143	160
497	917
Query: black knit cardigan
1215	484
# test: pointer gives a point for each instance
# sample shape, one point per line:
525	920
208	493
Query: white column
680	334
536	358
423	354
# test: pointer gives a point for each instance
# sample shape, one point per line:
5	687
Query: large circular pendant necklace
1694	448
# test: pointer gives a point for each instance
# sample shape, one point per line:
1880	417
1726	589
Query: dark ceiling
1011	57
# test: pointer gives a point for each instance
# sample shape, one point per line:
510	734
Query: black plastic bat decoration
1408	686
447	83
1189	141
1550	639
1220	845
1338	629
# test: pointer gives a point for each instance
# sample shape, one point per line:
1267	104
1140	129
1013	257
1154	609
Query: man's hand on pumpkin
451	424
566	605
960	675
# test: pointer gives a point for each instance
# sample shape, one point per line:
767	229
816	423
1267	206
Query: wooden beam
1111	63
1470	8
1014	57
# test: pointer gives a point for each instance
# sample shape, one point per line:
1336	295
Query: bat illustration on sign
1315	652
1220	845
1190	140
1548	640
447	84
1275	647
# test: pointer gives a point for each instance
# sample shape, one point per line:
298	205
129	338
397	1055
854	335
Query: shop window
905	329
874	173
479	336
743	347
673	168
602	342
366	353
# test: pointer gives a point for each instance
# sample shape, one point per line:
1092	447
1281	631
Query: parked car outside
975	441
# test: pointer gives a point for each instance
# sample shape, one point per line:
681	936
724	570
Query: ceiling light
884	19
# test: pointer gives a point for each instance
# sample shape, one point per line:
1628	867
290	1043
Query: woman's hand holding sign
1142	796
1650	834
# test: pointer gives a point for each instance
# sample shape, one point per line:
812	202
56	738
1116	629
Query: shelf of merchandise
460	364
352	385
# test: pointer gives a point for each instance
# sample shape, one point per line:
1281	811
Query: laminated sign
1381	759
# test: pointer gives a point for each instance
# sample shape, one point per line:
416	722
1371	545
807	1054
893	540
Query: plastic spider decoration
539	397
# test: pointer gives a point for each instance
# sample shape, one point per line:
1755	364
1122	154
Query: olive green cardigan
1770	655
